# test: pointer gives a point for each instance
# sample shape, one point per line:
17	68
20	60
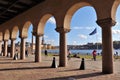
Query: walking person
94	55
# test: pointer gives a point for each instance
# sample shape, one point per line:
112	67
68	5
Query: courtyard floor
29	70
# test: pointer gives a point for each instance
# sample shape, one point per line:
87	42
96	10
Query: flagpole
95	32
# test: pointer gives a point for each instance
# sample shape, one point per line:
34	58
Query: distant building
90	44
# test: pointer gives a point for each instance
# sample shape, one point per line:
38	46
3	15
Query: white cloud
89	28
52	20
50	42
116	31
80	27
77	28
82	36
100	39
45	36
28	40
74	42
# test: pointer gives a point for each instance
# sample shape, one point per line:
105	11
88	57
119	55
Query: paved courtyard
29	70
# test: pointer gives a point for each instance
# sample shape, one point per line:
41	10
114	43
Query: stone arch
1	36
42	22
71	11
14	32
24	32
114	9
6	35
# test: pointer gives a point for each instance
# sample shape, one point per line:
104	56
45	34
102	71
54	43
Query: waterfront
56	51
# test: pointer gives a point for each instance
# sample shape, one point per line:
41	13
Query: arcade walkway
29	70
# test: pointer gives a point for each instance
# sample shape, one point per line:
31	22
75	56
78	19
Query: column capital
106	22
1	40
37	34
12	38
62	30
5	40
22	37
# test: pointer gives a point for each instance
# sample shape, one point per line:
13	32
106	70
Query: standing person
26	53
1	52
94	55
16	53
116	53
69	53
46	53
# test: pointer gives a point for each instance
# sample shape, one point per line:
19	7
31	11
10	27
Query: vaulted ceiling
11	8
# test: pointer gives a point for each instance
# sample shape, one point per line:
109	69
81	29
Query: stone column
22	48
107	45
5	48
12	48
63	46
38	48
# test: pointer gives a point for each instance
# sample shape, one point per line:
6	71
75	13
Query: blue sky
83	22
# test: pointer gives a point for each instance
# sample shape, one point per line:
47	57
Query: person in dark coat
26	53
69	54
46	53
94	55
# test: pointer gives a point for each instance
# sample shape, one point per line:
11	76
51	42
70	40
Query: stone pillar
12	48
63	46
22	48
107	45
5	48
38	48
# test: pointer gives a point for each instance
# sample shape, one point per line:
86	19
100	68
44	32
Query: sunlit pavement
29	70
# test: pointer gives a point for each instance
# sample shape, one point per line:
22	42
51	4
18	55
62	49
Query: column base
107	72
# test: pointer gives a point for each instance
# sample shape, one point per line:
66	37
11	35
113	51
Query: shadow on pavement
75	77
24	68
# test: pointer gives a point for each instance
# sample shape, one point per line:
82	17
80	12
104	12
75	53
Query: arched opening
14	47
116	30
25	29
49	40
42	22
114	9
26	37
30	41
17	41
50	35
81	19
71	11
116	36
15	35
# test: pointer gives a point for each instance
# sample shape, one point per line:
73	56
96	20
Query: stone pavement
29	70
